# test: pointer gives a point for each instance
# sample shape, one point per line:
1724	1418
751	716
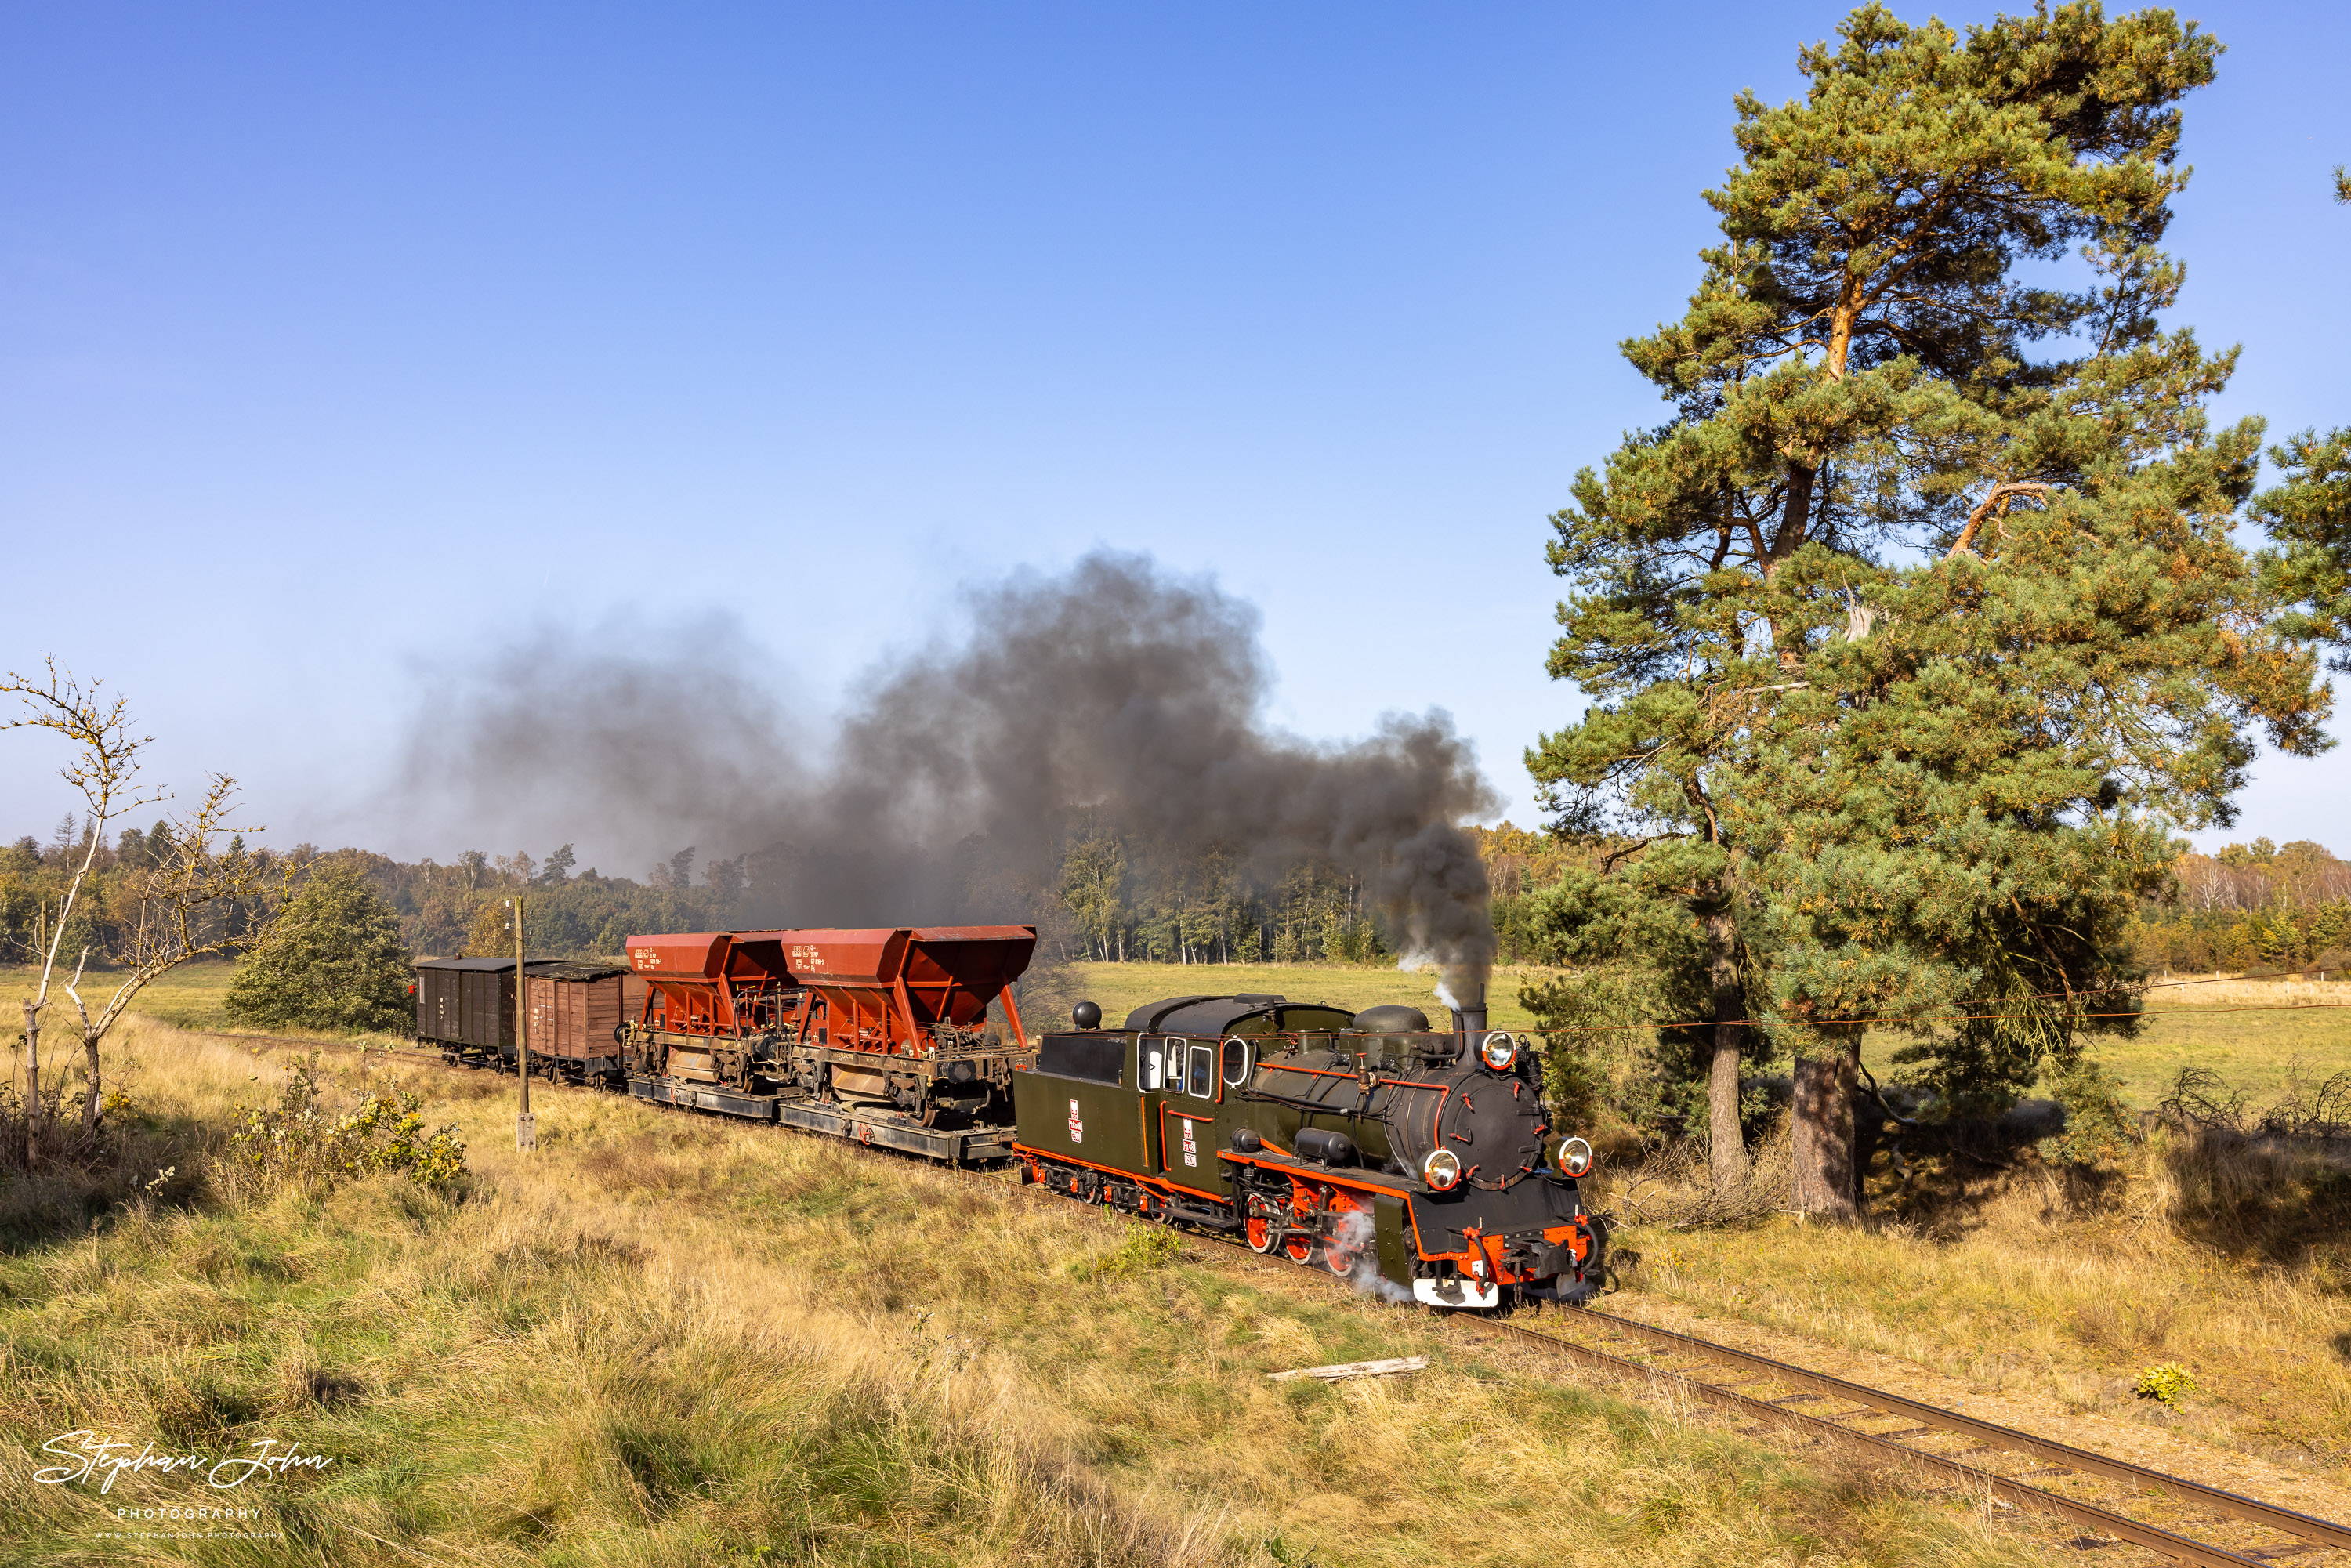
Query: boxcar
465	1007
576	1011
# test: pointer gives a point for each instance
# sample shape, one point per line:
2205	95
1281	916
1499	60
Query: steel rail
2106	1520
2044	1449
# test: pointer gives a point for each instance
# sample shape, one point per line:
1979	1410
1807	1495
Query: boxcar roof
571	969
542	969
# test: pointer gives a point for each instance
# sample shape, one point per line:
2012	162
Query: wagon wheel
1300	1245
1340	1250
1264	1214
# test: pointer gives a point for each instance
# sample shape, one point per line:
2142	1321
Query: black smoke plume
1116	690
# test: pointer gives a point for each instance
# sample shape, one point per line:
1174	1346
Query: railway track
2279	1535
1765	1390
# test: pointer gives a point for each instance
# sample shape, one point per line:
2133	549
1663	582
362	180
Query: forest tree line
2244	908
1111	899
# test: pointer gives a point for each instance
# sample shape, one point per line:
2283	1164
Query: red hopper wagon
882	1033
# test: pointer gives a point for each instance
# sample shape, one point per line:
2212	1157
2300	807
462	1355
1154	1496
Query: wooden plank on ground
1353	1369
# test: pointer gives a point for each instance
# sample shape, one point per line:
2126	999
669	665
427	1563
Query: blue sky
339	342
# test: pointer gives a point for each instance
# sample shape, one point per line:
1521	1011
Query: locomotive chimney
1469	1018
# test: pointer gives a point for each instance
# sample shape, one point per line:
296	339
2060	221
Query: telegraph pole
525	1124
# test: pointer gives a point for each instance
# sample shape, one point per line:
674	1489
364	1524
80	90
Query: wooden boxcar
467	1008
576	1010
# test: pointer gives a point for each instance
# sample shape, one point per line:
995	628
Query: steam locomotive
1414	1162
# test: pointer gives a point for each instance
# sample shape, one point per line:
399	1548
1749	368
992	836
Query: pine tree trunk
1727	1148
1825	1170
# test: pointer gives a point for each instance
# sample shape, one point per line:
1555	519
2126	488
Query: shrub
2168	1383
1139	1253
1606	1062
335	962
300	1142
2098	1123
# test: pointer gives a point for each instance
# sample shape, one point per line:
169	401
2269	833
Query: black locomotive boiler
1414	1161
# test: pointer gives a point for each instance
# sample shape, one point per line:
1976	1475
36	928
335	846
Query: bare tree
181	899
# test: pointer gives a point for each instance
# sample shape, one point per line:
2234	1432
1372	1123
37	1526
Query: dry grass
2227	1256
1671	1188
182	1091
665	1339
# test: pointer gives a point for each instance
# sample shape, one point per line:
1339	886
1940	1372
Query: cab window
1237	1063
1204	1072
1150	1076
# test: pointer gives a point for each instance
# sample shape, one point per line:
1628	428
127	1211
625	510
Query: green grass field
190	996
2255	1051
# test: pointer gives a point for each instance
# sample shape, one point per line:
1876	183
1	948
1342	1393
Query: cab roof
1217	1015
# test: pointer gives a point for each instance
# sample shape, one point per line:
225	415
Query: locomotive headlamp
1497	1051
1575	1158
1441	1170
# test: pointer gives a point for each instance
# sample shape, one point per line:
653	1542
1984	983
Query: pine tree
1906	648
335	962
2308	515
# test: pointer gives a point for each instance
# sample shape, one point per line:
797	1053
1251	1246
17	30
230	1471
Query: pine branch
2000	496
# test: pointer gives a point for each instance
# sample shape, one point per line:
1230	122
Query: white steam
1355	1231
